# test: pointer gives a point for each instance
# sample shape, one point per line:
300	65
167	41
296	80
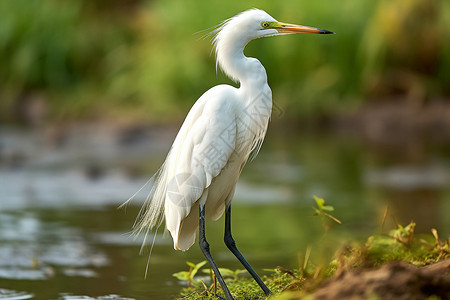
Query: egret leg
231	244
204	246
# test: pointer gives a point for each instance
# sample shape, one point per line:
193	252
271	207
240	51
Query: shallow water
62	236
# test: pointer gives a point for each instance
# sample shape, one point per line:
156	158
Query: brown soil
395	280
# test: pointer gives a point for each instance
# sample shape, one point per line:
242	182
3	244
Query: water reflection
413	193
32	249
107	297
423	206
14	295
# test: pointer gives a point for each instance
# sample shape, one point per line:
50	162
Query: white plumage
223	128
215	140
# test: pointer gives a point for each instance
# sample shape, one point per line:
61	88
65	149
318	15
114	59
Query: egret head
233	35
256	23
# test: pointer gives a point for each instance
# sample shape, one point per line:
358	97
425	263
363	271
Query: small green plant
404	235
323	209
189	276
441	249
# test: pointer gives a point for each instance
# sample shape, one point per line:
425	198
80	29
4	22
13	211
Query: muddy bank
394	280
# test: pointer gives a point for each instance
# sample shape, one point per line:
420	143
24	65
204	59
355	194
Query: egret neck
248	71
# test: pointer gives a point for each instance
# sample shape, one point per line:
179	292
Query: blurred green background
146	60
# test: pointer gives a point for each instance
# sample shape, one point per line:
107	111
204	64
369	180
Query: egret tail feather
151	247
151	213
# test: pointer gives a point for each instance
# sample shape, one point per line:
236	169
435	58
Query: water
62	236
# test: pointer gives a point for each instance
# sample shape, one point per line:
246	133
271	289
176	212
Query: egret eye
265	24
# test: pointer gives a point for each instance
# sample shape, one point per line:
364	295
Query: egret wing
200	152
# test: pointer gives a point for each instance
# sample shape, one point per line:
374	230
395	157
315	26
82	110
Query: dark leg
204	246
229	241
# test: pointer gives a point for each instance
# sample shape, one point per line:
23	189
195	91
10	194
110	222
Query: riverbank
396	265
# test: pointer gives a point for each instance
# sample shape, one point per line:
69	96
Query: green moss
400	245
246	288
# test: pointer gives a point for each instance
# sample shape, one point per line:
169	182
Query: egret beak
292	28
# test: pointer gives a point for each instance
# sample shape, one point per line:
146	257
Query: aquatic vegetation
190	274
324	210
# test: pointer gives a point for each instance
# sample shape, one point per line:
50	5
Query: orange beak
292	28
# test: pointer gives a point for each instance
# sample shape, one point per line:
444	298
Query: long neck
248	71
255	91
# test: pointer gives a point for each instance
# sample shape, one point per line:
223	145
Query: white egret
222	129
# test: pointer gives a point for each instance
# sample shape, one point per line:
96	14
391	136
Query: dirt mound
395	280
